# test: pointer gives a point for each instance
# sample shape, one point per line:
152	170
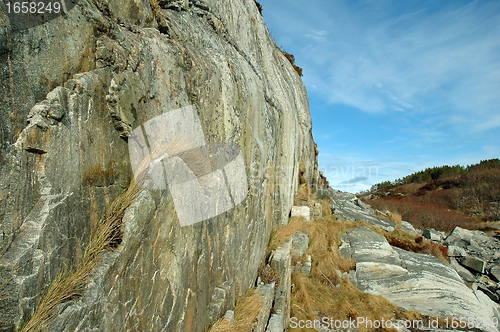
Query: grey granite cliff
71	92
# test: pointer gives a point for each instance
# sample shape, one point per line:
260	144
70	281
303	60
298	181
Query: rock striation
412	281
346	206
72	91
476	256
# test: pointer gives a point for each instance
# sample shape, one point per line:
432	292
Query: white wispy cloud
445	61
426	73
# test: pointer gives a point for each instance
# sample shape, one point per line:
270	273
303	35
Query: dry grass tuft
304	193
312	300
245	314
269	275
326	210
396	217
259	6
414	243
291	59
69	284
326	292
324	236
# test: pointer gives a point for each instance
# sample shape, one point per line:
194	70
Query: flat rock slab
476	264
301	211
281	262
408	228
412	281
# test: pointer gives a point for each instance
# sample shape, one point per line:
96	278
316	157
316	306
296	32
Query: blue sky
395	86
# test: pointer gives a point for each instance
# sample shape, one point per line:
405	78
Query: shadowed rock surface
72	91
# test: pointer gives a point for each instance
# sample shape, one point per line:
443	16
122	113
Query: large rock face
413	281
72	91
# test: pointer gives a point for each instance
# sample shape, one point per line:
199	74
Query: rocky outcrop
281	262
476	257
412	281
347	206
71	93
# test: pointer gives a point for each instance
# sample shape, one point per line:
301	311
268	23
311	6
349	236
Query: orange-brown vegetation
291	58
326	292
268	275
416	244
452	196
425	214
259	6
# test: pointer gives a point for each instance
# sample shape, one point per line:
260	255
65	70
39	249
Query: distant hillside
443	197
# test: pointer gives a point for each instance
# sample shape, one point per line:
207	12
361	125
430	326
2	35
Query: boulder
316	210
408	228
300	244
301	211
458	234
432	235
229	315
413	281
462	271
495	273
456	251
363	205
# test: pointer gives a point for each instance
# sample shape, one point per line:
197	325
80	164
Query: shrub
69	284
259	6
291	58
417	244
425	214
269	275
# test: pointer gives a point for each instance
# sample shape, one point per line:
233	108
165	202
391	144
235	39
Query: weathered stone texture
73	89
413	281
281	262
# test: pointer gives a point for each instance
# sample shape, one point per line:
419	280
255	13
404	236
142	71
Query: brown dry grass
70	284
304	193
414	243
313	300
245	314
325	292
324	236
